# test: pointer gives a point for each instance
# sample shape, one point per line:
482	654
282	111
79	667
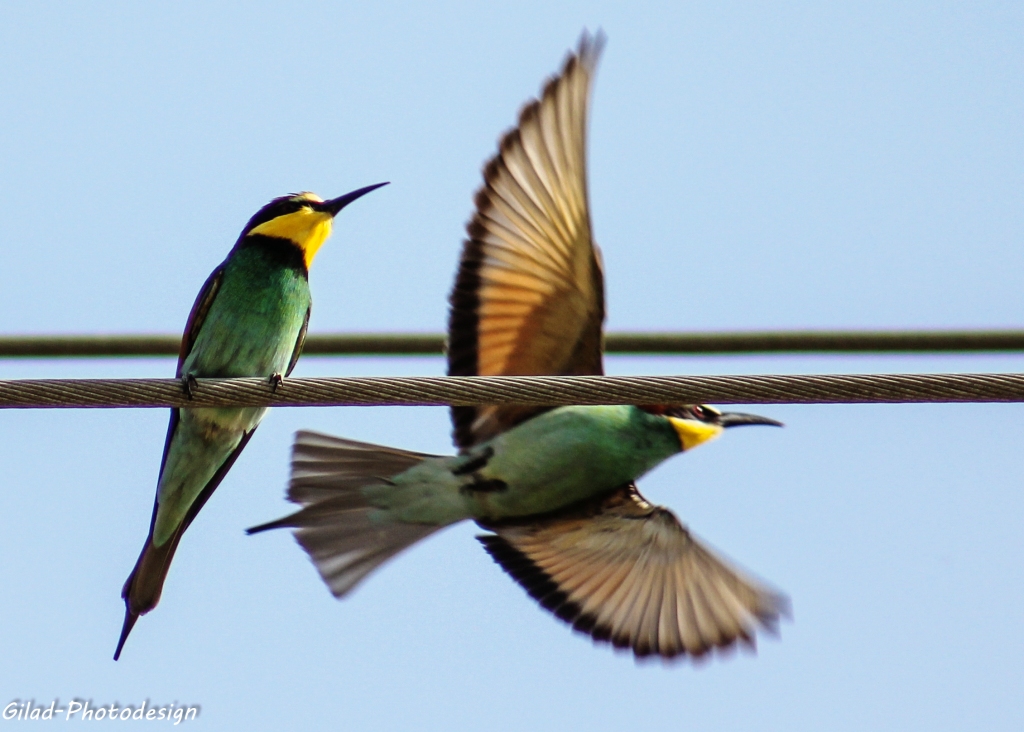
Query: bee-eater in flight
249	319
554	486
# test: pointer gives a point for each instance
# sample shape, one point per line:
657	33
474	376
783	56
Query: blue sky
752	167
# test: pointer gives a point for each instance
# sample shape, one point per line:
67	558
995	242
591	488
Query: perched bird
249	320
555	486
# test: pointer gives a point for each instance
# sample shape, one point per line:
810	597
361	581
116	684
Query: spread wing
529	295
626	572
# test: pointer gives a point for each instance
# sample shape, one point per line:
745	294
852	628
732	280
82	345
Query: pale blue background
752	166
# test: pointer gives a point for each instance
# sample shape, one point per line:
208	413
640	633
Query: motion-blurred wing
624	571
529	295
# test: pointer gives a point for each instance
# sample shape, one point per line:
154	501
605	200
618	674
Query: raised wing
529	295
626	572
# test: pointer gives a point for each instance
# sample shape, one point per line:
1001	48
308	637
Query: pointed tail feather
344	534
126	628
141	591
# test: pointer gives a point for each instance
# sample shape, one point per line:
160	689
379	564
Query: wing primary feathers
537	583
628	573
529	295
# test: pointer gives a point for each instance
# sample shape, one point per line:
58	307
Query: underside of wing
529	295
626	572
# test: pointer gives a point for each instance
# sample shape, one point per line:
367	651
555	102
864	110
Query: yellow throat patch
693	432
306	228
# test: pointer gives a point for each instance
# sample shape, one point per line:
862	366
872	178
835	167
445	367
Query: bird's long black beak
738	419
334	205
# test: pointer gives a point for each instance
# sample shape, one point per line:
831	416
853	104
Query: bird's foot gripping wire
275	381
189	384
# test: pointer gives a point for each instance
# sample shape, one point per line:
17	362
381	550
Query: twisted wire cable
527	390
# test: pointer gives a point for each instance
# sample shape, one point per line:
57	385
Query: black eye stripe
278	207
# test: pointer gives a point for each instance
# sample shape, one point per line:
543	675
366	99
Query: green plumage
259	310
365	503
555	486
249	319
252	328
556	459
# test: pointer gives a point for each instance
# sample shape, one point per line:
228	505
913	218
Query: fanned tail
343	533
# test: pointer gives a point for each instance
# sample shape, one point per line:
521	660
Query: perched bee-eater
249	319
555	486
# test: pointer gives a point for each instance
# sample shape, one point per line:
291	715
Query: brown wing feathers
626	572
528	297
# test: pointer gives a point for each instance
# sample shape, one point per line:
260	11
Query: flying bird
249	319
554	486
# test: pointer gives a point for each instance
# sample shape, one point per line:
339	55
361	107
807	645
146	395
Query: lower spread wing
624	571
529	295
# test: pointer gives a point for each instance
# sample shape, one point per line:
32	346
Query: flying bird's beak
738	419
335	205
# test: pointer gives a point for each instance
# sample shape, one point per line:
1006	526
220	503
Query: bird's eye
699	412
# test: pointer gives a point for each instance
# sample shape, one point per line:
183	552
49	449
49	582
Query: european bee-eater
555	486
249	319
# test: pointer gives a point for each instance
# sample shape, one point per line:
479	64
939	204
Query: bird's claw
275	381
189	384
